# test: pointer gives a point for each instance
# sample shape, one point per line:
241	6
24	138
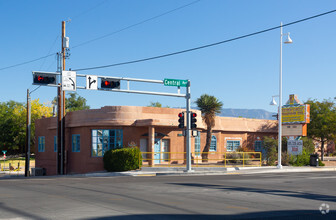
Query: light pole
288	41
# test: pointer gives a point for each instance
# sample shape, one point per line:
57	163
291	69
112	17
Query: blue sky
242	73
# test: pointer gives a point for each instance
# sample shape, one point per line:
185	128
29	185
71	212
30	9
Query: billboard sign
296	114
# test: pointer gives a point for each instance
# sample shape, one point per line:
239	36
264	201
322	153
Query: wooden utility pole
61	114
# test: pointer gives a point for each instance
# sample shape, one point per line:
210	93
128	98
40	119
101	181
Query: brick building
89	133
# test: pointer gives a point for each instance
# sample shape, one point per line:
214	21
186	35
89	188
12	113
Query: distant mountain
244	113
247	113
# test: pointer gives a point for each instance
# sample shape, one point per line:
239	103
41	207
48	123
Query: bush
300	160
270	147
285	158
122	159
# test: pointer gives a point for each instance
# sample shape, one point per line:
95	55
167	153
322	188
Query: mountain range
247	113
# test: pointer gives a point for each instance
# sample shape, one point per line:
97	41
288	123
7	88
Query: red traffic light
193	114
44	78
110	84
180	114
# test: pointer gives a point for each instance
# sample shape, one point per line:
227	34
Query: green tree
13	119
155	104
209	106
322	126
10	130
74	102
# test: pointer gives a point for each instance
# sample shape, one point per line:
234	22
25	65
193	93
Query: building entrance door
157	151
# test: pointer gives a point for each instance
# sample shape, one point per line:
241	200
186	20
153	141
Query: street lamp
287	41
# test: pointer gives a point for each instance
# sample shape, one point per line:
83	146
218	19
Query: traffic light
44	79
193	119
181	120
110	84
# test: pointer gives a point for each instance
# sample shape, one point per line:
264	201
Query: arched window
213	145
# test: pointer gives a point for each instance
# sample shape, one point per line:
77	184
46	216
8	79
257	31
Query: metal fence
14	165
208	159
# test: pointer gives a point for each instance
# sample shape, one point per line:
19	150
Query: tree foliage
155	104
209	106
74	102
322	126
13	119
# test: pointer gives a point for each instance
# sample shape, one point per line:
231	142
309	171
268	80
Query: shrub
300	160
234	158
285	158
321	164
270	145
122	159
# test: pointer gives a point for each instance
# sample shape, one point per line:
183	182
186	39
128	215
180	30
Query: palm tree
209	106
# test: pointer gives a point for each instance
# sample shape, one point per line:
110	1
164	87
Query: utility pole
61	113
27	148
188	141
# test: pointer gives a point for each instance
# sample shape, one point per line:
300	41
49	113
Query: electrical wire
205	46
136	24
30	61
115	32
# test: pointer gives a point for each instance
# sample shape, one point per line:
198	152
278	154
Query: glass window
104	140
75	143
258	146
41	144
198	143
232	145
55	143
213	145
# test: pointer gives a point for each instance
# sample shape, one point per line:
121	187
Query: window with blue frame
213	144
106	139
258	146
75	143
232	145
198	143
41	144
55	143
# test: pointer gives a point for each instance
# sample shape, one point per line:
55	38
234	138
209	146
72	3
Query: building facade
90	133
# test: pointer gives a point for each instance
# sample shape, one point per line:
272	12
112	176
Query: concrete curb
180	172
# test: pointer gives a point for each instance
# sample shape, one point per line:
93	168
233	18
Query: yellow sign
295	114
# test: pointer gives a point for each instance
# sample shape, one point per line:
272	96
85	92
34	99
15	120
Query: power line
115	32
136	24
30	61
205	46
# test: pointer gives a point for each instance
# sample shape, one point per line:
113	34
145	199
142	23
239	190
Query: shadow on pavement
274	215
303	195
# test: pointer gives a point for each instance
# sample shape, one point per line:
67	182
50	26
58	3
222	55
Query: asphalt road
254	196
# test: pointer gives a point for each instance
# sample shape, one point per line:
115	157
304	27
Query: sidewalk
181	171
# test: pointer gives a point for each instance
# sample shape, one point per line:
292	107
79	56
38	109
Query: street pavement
254	193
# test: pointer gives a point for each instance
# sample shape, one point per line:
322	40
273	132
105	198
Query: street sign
91	82
294	147
68	81
175	82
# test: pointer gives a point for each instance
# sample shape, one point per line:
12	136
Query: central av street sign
175	82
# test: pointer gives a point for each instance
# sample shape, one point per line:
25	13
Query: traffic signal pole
188	138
